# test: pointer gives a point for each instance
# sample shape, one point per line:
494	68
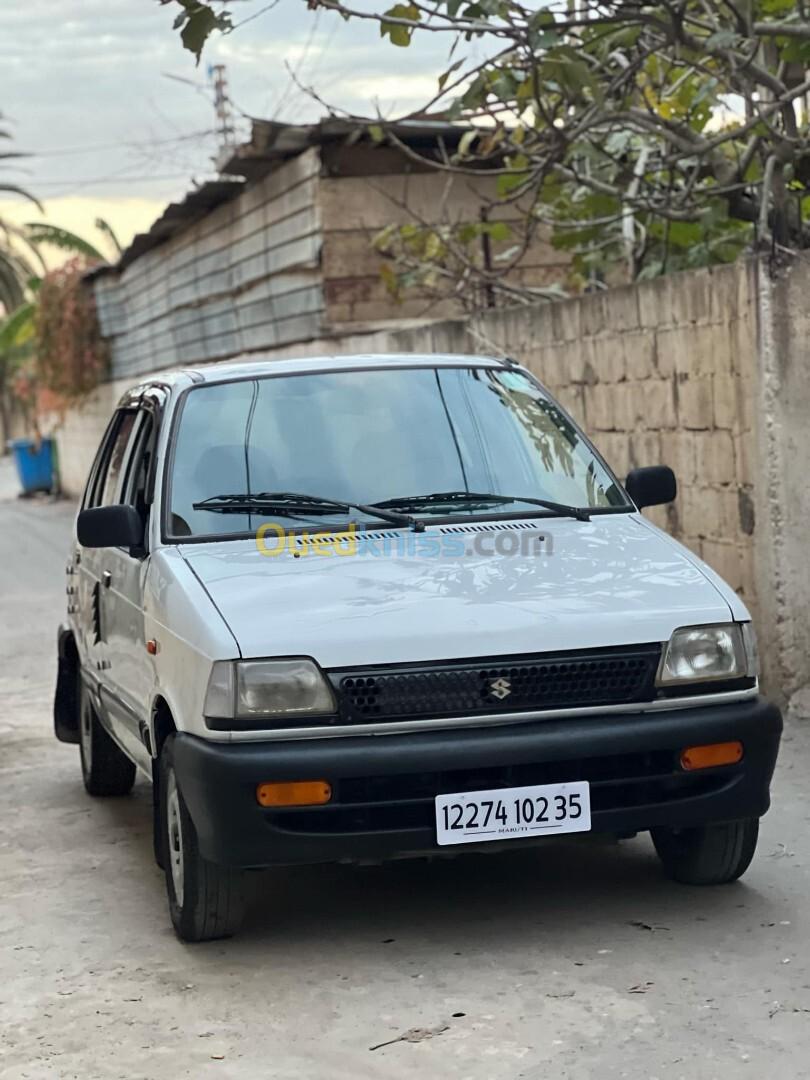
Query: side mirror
110	526
651	486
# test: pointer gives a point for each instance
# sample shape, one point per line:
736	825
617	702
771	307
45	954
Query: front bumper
384	786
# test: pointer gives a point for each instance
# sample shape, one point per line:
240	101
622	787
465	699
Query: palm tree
20	269
16	267
41	234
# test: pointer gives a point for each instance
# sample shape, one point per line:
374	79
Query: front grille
406	801
497	684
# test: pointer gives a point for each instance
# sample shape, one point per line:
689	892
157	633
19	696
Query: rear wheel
708	855
206	900
106	770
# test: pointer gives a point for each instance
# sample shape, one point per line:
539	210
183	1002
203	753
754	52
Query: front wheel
708	855
206	900
106	770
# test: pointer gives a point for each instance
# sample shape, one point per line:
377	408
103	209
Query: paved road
572	962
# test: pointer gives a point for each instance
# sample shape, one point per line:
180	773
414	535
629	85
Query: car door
86	566
130	673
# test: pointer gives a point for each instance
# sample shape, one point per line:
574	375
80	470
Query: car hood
613	580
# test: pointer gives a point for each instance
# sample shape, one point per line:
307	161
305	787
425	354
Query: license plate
513	813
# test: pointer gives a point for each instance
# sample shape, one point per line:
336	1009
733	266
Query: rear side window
134	490
105	484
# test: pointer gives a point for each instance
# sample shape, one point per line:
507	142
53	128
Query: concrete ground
572	961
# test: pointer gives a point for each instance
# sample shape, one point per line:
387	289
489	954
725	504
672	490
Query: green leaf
793	50
433	246
510	182
776	7
546	40
382	240
503	85
542	18
64	239
497	230
15	190
685	233
476	92
18	328
107	229
468	232
450	71
201	21
397	33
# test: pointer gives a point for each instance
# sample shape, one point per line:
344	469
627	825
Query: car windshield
377	436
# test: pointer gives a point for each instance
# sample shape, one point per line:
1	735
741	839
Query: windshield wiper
482	499
296	504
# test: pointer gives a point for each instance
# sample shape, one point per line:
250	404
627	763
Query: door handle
106	579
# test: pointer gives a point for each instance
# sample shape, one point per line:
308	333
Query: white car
357	608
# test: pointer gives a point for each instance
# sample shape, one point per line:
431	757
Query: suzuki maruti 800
359	608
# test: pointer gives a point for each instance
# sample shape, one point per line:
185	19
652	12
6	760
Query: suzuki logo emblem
500	688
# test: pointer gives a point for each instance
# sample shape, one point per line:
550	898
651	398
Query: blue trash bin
34	464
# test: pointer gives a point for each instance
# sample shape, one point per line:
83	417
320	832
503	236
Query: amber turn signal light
294	793
707	757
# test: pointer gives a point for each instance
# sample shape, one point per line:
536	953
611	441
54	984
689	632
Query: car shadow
557	890
558	887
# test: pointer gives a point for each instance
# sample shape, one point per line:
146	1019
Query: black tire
206	900
106	770
709	855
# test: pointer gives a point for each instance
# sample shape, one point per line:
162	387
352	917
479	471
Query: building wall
780	400
244	277
14	424
291	259
356	208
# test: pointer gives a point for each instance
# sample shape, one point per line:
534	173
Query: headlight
705	653
275	690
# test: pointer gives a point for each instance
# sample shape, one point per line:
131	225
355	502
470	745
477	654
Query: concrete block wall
661	373
779	401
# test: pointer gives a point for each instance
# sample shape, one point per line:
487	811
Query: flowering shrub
71	356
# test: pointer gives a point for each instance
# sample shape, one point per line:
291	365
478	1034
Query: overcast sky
84	88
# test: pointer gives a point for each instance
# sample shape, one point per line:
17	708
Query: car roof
243	368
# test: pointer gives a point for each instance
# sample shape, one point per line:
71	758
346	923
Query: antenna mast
226	132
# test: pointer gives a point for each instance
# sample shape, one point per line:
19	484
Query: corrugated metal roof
271	141
176	217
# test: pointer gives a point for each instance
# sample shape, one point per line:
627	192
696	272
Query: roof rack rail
509	361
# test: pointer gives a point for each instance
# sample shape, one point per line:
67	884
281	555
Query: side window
134	490
94	480
104	488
